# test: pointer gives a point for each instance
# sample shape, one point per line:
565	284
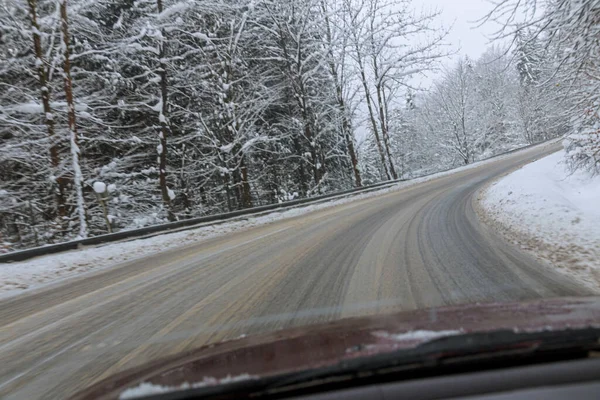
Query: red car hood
324	345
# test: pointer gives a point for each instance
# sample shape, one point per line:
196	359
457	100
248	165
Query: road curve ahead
420	246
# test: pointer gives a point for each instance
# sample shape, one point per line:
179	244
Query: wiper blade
455	349
472	349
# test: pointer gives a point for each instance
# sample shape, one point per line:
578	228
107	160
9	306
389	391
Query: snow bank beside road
552	213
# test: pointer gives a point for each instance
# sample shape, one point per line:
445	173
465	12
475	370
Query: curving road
420	246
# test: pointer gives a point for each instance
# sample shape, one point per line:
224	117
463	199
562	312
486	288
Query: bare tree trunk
346	124
75	152
369	101
274	183
380	99
467	153
351	151
237	187
183	183
301	172
13	229
203	195
32	223
300	153
246	193
307	121
372	118
313	153
228	192
463	125
384	127
301	97
164	127
48	116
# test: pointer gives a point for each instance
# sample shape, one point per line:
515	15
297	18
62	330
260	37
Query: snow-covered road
419	245
20	277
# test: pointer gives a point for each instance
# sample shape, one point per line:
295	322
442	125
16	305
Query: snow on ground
15	278
554	214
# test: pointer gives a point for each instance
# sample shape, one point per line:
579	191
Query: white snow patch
171	194
147	389
418	335
201	36
253	141
33	107
119	23
158	106
17	277
28	108
174	9
551	213
226	148
85	115
99	187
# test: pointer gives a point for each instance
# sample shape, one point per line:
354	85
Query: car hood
317	346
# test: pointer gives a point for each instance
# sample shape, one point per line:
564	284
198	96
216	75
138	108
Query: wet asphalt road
420	246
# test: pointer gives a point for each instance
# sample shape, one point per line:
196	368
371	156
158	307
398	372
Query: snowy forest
118	114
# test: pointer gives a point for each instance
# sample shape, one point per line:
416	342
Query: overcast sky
465	37
461	15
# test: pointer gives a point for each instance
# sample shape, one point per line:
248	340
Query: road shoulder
548	213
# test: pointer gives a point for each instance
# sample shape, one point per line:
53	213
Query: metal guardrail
193	222
190	223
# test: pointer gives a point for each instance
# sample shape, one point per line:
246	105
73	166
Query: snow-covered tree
183	108
451	108
391	43
571	29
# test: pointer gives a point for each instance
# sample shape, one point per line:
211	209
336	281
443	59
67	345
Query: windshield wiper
443	356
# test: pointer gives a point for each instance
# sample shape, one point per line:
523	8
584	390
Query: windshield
176	174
